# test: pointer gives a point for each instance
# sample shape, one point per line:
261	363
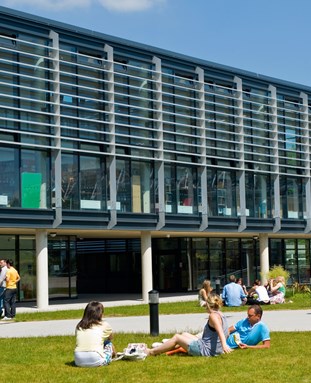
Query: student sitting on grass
205	292
278	290
213	341
93	338
248	332
258	294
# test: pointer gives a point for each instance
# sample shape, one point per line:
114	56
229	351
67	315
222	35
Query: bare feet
149	352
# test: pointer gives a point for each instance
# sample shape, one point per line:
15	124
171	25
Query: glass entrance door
170	265
62	267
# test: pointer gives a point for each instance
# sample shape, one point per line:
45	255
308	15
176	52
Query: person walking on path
12	277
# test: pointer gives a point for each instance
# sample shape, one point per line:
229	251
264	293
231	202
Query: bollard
154	312
217	282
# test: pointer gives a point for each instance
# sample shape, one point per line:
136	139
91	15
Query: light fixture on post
53	235
255	237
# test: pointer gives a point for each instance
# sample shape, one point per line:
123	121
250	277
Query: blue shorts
194	349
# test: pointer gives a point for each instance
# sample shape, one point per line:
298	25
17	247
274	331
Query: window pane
92	181
70	182
9	193
34	179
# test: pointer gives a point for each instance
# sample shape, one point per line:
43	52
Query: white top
262	294
3	271
92	339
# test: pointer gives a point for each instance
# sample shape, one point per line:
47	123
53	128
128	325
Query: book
236	337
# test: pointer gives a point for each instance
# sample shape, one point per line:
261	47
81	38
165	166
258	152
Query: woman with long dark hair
93	338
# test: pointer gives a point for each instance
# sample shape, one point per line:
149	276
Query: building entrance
62	267
170	265
108	266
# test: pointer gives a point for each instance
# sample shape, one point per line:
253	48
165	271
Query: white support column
202	133
249	267
276	167
264	256
112	203
146	264
159	165
305	132
240	131
57	151
42	269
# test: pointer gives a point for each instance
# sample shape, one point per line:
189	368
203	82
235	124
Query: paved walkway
284	320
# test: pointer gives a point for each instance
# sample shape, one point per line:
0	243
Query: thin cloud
129	5
56	5
111	5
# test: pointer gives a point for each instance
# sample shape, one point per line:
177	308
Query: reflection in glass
123	186
70	182
180	189
291	197
221	191
9	184
142	187
92	183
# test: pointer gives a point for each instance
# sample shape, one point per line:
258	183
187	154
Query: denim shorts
194	349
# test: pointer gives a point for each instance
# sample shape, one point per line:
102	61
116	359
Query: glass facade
99	134
96	105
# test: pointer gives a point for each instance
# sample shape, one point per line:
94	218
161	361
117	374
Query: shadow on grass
70	364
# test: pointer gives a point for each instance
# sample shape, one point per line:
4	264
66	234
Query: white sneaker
6	318
156	344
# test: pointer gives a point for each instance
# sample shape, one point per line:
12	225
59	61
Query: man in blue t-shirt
248	332
233	294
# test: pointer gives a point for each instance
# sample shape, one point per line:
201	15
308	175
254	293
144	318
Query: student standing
12	277
3	270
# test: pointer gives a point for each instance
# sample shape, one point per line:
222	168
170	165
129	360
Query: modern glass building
125	167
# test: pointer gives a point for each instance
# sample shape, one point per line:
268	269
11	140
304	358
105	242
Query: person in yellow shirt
12	277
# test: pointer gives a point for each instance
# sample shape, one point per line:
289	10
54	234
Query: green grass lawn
293	302
50	359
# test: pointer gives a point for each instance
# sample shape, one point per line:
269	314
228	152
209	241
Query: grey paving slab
284	320
287	320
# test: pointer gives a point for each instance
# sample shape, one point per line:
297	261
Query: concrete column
264	256
249	267
57	151
42	269
146	264
240	136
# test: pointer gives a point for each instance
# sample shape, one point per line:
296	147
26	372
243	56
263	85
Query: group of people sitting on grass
235	292
94	335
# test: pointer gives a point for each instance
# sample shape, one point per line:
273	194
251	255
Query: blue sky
268	37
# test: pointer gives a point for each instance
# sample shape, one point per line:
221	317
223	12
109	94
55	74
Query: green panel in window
31	187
